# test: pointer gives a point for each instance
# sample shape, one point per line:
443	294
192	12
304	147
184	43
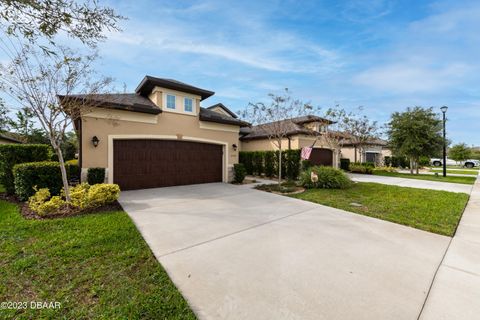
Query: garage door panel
140	163
321	157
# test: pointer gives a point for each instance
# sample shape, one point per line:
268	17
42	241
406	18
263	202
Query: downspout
355	152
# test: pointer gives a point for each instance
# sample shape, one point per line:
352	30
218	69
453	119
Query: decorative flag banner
305	154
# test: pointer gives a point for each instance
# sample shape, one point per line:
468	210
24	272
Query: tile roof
148	83
213	116
136	103
5	137
122	101
293	126
221	105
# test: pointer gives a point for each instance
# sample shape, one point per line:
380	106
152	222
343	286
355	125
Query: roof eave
225	121
148	83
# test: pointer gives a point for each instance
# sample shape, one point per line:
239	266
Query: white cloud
249	41
411	78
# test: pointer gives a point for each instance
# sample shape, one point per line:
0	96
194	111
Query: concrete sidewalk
440	173
455	291
412	183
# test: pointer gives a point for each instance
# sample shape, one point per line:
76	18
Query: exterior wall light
95	141
234	146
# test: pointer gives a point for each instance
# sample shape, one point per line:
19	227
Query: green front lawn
431	177
430	210
97	266
466	171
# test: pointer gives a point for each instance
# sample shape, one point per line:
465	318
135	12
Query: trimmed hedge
266	162
293	163
247	159
13	154
269	159
344	164
95	175
36	175
257	162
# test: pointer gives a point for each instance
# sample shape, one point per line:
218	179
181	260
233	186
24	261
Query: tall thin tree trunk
280	163
66	188
411	165
416	166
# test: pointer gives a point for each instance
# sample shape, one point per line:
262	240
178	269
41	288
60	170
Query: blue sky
379	54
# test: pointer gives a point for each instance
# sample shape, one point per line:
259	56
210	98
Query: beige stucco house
301	132
159	136
8	140
374	151
308	131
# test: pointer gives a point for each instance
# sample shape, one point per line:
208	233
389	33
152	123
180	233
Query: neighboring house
8	140
307	131
159	136
302	132
374	151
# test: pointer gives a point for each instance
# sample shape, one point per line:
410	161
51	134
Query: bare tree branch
58	89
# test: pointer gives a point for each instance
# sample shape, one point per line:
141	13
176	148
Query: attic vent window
170	101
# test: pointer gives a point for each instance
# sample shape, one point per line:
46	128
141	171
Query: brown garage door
321	157
141	164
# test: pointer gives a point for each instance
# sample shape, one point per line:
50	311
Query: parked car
470	163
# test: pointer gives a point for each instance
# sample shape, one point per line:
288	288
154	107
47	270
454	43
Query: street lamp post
444	111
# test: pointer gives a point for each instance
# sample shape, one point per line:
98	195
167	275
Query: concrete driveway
239	253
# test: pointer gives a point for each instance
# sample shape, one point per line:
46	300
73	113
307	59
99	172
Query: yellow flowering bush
103	193
83	196
51	206
78	195
38	199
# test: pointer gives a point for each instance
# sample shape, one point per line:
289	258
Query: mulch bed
27	213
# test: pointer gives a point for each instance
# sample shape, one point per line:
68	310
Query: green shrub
239	172
12	154
306	164
357	167
95	175
35	175
345	164
269	163
257	159
328	178
368	164
102	194
424	161
293	163
246	157
74	170
401	162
